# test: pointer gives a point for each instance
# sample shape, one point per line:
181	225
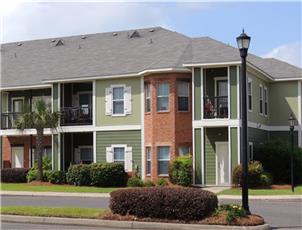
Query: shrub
46	163
164	203
14	175
181	171
32	175
108	175
78	175
255	170
56	177
135	182
232	211
266	179
275	157
161	182
148	183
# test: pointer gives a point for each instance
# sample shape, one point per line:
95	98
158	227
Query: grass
71	212
53	188
237	191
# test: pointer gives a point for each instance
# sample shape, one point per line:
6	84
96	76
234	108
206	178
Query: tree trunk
39	145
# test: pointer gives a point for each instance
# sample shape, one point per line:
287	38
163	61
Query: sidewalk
107	195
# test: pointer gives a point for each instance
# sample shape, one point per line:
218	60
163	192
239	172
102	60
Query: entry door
85	103
222	163
17	157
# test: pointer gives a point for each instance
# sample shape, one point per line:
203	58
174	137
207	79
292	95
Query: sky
275	27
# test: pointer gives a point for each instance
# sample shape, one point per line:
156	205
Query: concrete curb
55	194
120	224
258	197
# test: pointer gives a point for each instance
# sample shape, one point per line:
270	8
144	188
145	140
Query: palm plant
39	119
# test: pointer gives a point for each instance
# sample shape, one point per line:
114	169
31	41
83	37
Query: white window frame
119	146
261	99
251	153
16	99
85	147
250	81
112	100
188	96
147	85
149	160
157	148
162	111
265	100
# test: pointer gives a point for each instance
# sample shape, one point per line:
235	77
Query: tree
39	119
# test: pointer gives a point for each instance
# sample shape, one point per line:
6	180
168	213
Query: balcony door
85	103
16	108
221	95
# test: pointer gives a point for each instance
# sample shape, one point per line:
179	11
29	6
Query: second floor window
261	99
147	98
265	101
148	157
163	97
250	100
183	95
118	100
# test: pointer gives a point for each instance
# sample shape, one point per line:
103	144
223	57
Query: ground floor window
184	150
119	155
148	157
86	154
163	156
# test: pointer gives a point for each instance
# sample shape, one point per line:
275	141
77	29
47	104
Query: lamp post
243	42
291	128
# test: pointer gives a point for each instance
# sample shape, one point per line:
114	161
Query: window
265	102
163	157
183	95
163	97
250	100
261	99
85	154
184	150
251	151
119	155
147	98
148	157
17	104
118	100
47	152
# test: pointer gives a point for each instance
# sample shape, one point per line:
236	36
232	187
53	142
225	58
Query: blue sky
275	27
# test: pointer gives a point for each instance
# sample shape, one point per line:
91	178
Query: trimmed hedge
164	203
181	171
56	177
14	175
135	182
32	175
78	175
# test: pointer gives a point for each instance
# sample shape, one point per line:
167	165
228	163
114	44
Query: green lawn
55	212
237	191
52	188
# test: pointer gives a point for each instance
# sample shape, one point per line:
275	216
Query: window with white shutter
121	154
118	100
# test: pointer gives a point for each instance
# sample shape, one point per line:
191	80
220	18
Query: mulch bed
40	183
250	220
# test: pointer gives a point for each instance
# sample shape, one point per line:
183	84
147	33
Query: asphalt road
279	214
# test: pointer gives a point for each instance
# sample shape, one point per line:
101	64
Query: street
279	214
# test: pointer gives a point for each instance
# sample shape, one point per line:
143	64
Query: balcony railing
8	120
81	115
216	107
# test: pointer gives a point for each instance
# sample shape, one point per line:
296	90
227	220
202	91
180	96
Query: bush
56	177
46	163
135	182
275	157
78	175
14	175
266	179
148	183
232	211
108	175
164	203
161	182
32	175
255	170
181	171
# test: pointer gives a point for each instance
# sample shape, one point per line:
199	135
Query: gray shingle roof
106	54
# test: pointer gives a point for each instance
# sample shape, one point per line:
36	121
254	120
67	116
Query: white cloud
291	53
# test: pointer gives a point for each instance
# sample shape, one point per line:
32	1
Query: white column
93	103
201	92
202	156
143	163
94	146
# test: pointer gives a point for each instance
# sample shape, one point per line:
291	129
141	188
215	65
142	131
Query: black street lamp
243	42
291	128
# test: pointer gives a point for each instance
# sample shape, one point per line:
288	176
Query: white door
222	163
17	157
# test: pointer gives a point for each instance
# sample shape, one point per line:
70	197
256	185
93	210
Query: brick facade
10	141
172	128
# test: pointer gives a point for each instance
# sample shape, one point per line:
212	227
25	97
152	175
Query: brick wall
11	141
172	128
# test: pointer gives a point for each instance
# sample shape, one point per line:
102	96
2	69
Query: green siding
283	100
55	97
233	92
197	94
56	151
257	136
234	147
284	136
131	119
198	159
129	138
212	135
